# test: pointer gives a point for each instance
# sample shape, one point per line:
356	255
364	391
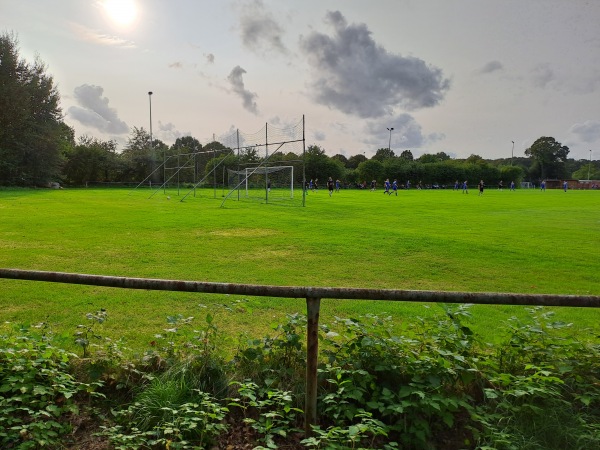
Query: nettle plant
414	387
268	411
37	392
279	360
543	388
180	405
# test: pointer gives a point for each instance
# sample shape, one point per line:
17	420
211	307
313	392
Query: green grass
521	242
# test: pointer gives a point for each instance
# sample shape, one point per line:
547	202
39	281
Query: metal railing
313	296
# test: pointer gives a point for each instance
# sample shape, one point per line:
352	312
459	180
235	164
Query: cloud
167	132
319	136
176	65
260	31
99	38
94	111
542	75
210	58
407	132
588	131
237	84
492	66
355	75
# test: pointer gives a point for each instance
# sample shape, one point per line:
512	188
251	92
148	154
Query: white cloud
406	133
94	111
168	133
95	37
588	131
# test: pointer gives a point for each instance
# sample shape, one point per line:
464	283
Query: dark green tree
549	158
407	154
141	161
355	160
383	153
92	160
475	159
33	137
185	159
438	157
371	170
315	159
341	158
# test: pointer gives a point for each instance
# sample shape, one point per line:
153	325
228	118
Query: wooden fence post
312	356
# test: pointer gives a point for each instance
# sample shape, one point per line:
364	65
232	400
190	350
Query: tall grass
524	241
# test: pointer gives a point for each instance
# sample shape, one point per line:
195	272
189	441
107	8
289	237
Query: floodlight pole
390	141
590	166
511	152
151	148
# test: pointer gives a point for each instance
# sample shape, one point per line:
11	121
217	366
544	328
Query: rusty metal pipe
481	298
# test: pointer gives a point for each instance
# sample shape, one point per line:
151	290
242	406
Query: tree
438	157
92	160
33	136
549	157
475	159
140	159
426	158
383	153
355	160
341	158
587	172
314	160
371	170
407	154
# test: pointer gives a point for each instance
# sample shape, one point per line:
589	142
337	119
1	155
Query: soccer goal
268	166
261	182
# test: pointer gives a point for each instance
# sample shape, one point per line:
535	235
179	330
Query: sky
483	77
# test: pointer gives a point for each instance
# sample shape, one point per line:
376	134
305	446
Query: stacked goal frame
261	157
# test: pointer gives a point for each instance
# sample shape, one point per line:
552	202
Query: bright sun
122	12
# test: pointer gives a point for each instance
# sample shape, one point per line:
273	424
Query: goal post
264	182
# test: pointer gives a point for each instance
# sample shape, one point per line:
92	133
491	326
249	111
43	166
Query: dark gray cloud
355	75
259	30
588	131
94	111
236	81
492	66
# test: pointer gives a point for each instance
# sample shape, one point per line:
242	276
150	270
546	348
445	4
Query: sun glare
122	12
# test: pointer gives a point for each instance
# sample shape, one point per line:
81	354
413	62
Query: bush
37	393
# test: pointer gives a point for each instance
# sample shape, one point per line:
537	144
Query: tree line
38	147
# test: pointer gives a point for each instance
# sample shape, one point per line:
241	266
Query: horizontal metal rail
399	295
313	296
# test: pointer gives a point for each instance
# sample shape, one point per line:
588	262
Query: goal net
267	166
274	183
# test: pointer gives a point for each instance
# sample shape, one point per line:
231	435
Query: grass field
522	242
